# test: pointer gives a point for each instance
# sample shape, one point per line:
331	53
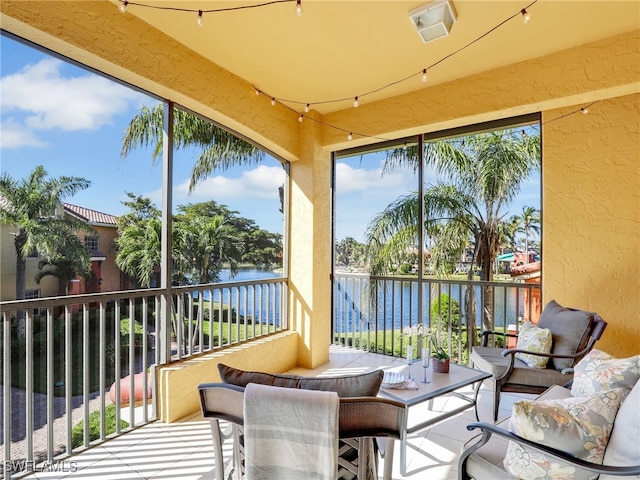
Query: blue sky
71	121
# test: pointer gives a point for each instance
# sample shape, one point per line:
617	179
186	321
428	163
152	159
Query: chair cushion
623	449
360	385
600	371
486	462
570	330
533	339
242	378
577	425
490	360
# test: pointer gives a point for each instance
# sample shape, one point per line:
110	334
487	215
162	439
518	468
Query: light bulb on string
350	136
424	75
199	19
355	102
300	118
123	6
306	108
299	8
525	15
273	101
584	110
257	92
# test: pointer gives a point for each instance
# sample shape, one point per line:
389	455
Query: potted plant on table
439	355
438	351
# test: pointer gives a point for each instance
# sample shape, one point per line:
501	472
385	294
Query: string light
584	110
199	19
423	72
356	99
124	3
257	92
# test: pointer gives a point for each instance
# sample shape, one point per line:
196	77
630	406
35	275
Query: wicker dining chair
368	426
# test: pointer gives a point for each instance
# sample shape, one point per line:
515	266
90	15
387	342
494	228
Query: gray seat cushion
486	462
490	360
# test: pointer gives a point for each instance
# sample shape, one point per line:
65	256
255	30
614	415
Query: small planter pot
440	366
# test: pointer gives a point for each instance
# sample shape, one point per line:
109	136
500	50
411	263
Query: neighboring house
106	277
105	274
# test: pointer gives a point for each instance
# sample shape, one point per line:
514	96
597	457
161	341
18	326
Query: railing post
6	386
165	256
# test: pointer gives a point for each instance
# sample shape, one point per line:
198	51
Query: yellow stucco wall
591	216
310	248
177	382
48	286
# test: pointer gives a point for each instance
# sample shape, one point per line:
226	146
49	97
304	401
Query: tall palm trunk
21	279
487	275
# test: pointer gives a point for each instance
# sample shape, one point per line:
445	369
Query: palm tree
530	222
139	248
205	243
72	261
510	228
221	149
480	176
30	206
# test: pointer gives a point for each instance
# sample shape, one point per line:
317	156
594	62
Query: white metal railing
63	358
371	312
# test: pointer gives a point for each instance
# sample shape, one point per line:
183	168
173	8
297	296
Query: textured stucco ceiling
340	49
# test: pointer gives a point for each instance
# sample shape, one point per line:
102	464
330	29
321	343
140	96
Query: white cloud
13	135
259	183
350	180
48	100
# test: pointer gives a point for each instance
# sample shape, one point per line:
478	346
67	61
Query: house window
30	294
92	243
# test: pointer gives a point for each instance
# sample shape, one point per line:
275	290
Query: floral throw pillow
534	339
600	371
580	426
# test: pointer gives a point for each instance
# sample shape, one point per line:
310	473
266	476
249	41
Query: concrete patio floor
184	449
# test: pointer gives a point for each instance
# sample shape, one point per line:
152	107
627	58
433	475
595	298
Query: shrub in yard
77	434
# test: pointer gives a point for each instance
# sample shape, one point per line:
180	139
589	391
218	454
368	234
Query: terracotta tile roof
91	216
526	268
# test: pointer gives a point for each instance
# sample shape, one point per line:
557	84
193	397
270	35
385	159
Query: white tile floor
184	450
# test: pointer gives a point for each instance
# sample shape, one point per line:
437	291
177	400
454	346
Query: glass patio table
440	384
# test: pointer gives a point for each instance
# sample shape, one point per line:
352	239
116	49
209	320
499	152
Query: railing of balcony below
72	361
372	312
